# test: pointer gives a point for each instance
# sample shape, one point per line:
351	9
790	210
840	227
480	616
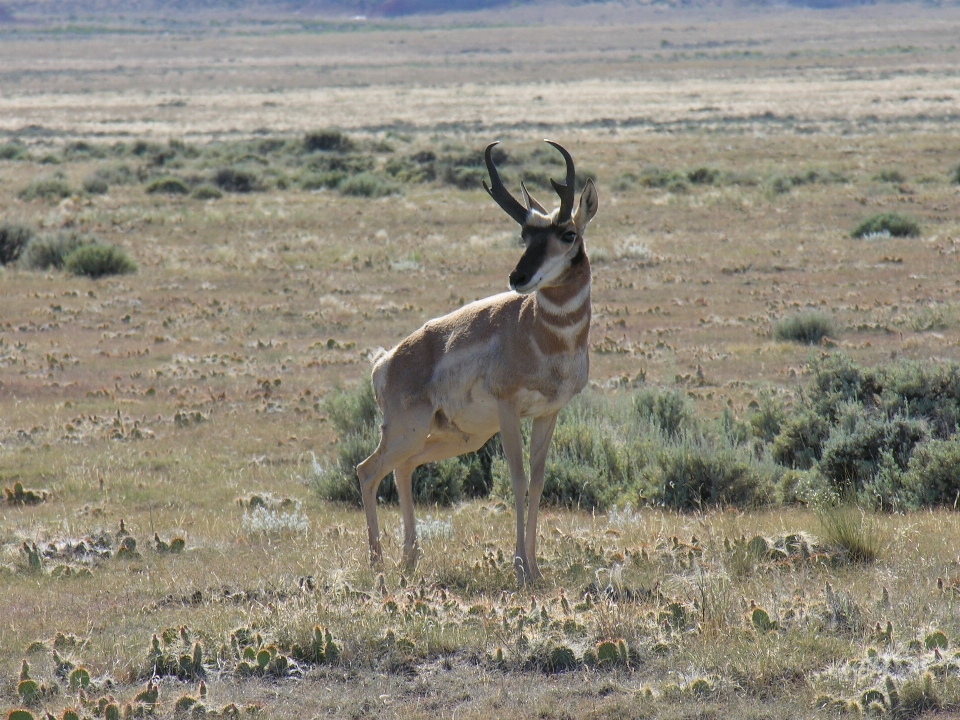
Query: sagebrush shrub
695	474
808	327
13	151
96	260
237	180
14	238
367	185
933	475
51	249
95	185
52	188
206	192
891	224
168	185
667	410
327	141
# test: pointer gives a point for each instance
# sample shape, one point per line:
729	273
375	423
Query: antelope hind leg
395	448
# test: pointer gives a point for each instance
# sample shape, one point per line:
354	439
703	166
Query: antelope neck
566	302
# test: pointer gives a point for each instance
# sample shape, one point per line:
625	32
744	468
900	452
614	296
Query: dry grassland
163	400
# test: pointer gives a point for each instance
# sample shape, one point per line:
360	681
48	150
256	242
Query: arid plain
164	400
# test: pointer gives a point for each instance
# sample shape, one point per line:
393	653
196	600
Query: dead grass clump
852	531
808	328
14	238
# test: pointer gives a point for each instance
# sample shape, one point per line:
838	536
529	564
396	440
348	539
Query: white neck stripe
571	305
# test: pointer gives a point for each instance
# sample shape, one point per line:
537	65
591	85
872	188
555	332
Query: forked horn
499	193
566	191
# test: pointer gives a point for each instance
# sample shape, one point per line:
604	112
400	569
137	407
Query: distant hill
12	11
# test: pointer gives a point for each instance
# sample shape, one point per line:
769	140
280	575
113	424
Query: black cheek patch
532	259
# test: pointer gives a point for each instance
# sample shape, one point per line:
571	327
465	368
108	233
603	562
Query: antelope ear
589	202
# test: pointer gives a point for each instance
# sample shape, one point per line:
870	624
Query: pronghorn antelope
451	385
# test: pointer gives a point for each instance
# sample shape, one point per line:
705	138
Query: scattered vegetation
887	225
169	185
51	188
808	327
14	238
96	260
50	250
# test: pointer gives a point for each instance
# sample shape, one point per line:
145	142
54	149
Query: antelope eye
569	236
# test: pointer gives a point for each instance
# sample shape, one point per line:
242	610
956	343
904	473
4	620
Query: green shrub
81	150
780	184
119	174
51	188
933	475
237	180
694	475
207	192
95	185
317	181
367	185
703	176
169	185
13	151
887	224
14	238
327	141
51	249
808	327
861	445
799	443
890	175
667	410
96	260
768	419
653	176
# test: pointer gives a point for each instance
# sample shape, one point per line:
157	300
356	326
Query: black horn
499	193
567	190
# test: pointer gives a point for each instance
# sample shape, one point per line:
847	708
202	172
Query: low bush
119	174
317	181
851	531
168	185
667	410
51	188
327	141
51	249
887	224
890	175
367	185
13	151
14	238
703	176
95	185
695	474
206	192
808	327
96	260
933	475
237	180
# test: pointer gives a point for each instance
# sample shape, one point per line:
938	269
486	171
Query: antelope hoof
411	556
376	556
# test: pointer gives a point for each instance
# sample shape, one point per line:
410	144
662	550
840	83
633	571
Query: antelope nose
518	278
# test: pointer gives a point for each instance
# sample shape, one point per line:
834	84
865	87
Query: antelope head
553	241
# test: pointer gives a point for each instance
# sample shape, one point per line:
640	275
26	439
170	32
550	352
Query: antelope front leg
540	437
513	448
